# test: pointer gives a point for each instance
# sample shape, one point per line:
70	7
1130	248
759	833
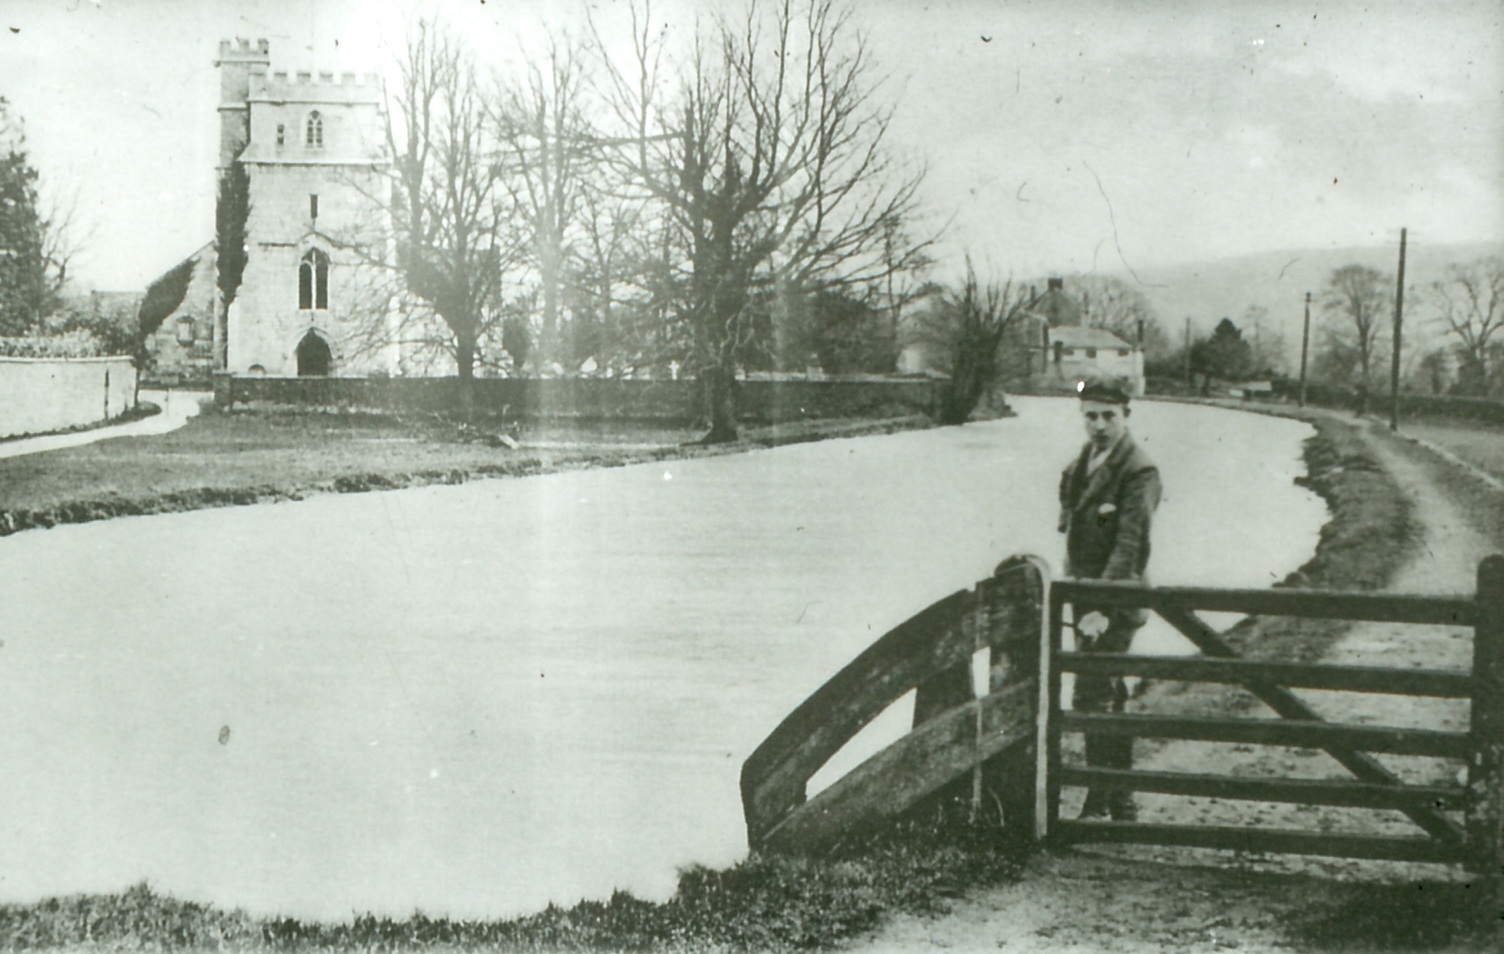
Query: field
1479	445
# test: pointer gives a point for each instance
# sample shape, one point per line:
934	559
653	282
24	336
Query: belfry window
314	134
281	134
313	281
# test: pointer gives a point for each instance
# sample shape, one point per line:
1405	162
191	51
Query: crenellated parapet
309	87
243	49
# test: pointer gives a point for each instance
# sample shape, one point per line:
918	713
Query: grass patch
766	903
1400	917
260	456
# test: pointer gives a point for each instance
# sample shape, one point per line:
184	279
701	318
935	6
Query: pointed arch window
313	281
313	134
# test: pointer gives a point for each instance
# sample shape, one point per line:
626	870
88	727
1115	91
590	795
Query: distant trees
763	162
702	207
164	295
1469	304
453	243
545	153
1356	300
35	245
1224	354
967	325
840	332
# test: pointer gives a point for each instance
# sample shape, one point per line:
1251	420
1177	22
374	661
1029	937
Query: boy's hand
1093	624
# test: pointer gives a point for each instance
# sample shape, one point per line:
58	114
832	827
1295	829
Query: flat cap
1104	388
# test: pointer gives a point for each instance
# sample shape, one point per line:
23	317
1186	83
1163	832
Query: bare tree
1469	303
768	161
968	326
1356	299
609	283
545	150
452	248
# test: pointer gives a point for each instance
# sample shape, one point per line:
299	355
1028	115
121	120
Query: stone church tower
310	302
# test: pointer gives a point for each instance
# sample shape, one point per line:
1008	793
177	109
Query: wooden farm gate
1006	734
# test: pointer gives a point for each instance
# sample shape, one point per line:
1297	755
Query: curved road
177	407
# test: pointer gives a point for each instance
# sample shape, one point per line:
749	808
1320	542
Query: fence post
1485	815
1045	740
1049	708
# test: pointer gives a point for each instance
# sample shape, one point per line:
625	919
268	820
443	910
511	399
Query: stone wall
675	402
39	395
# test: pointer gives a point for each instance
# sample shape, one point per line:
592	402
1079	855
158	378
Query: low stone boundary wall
758	401
41	395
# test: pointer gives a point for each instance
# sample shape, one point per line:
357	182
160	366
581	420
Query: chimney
1056	284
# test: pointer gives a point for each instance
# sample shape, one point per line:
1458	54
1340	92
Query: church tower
311	300
236	63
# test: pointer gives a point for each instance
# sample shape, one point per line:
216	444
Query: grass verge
762	904
262	456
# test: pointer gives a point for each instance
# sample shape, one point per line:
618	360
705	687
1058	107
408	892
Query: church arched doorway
314	359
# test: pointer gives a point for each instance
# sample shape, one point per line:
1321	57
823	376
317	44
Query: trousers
1098	693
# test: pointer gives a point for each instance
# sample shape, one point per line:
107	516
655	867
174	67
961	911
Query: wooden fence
1007	733
955	732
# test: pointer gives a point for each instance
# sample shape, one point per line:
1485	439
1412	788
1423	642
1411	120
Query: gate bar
1298	734
1308	604
1289	706
1261	840
1300	791
1372	679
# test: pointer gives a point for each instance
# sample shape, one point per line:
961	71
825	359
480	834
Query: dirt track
1155	899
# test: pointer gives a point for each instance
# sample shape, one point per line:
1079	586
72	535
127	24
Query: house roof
1074	336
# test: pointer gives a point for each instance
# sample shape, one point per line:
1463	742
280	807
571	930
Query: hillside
1206	292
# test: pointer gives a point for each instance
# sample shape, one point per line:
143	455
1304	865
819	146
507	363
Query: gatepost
1485	815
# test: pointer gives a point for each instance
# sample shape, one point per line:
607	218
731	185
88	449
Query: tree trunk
222	335
718	386
464	359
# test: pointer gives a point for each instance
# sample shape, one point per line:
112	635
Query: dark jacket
1105	515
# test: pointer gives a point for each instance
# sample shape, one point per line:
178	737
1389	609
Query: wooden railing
954	732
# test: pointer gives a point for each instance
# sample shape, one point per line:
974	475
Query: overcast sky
1058	137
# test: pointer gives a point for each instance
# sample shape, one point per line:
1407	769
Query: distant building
313	148
1058	351
180	349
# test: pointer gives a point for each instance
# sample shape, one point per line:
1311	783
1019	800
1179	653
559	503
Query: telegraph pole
1394	364
1305	347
